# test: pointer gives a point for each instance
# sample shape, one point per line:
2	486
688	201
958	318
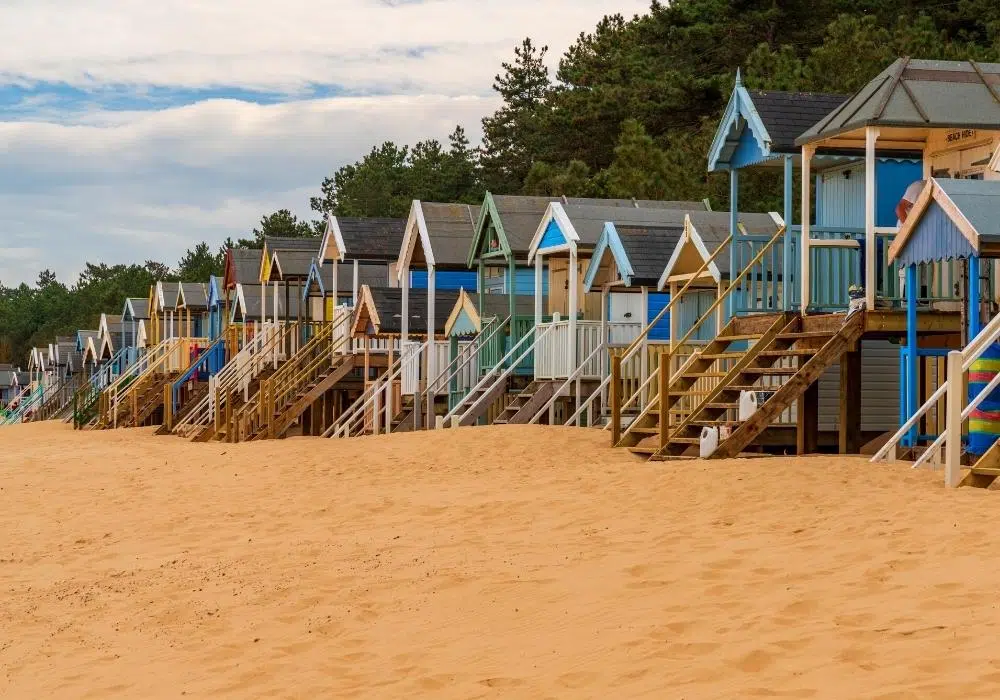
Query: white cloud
84	183
361	44
128	187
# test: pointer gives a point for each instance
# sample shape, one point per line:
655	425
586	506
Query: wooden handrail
673	298
616	400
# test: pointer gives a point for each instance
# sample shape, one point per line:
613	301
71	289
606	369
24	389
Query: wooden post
850	401
735	249
871	134
404	319
787	264
355	290
664	399
804	271
616	400
808	420
956	401
539	283
431	359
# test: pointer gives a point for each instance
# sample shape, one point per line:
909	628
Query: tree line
629	112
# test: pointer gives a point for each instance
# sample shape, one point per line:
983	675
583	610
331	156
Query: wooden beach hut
365	250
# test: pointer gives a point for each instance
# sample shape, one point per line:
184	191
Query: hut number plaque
960	135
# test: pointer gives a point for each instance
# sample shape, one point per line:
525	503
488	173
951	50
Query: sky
132	130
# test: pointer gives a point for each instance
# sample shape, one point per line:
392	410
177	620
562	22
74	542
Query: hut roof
384	306
450	228
195	295
372	238
245	266
919	93
294	264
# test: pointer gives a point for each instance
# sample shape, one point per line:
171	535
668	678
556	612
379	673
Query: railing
953	390
25	402
760	289
208	364
491	353
59	397
375	400
837	253
552	356
462	373
647	393
506	366
266	348
166	356
259	415
633	363
577	376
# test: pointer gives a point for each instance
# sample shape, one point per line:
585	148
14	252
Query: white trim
690	234
332	228
554	211
415	226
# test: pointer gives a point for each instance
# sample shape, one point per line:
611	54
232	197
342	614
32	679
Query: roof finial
739	78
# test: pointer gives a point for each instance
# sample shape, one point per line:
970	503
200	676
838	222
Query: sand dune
515	562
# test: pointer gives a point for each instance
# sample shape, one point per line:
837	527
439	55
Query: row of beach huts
861	317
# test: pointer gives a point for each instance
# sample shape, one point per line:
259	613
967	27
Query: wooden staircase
527	403
814	343
985	471
478	401
291	409
209	431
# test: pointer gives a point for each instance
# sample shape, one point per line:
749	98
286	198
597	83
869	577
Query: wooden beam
807	425
850	402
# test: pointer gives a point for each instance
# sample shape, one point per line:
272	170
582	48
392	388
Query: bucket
984	421
709	441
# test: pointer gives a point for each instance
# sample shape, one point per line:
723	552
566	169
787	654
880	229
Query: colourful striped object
984	422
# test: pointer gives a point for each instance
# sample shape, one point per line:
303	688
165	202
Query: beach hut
953	220
112	337
378	319
216	307
433	256
365	250
135	317
191	305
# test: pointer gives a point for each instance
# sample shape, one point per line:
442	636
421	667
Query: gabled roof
242	266
951	219
639	252
919	93
516	218
760	125
374	274
356	238
465	319
214	291
82	337
291	264
379	310
706	232
166	295
582	225
273	244
437	234
192	295
135	308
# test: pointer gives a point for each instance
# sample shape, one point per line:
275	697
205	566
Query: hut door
625	308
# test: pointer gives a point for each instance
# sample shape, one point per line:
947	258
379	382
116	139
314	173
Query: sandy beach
515	562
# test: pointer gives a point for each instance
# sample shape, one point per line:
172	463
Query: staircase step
713	423
723	406
685	440
790	352
802	335
704	375
643	450
772	371
721	356
735	338
986	471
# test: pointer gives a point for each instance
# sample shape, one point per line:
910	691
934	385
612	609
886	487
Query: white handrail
471	348
488	376
507	372
984	339
572	377
980	397
345	424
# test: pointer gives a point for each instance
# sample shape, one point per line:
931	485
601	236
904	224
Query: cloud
128	186
443	46
132	130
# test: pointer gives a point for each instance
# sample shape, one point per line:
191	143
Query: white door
625	308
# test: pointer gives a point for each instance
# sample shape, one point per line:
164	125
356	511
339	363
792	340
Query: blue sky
130	131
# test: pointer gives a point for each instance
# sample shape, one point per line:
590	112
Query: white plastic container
709	441
748	405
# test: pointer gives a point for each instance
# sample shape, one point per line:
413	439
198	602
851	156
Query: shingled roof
139	307
788	115
276	243
384	308
919	93
195	295
372	239
294	264
245	266
649	247
450	228
519	215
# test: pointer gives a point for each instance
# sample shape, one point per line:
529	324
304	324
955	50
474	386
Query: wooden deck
881	323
